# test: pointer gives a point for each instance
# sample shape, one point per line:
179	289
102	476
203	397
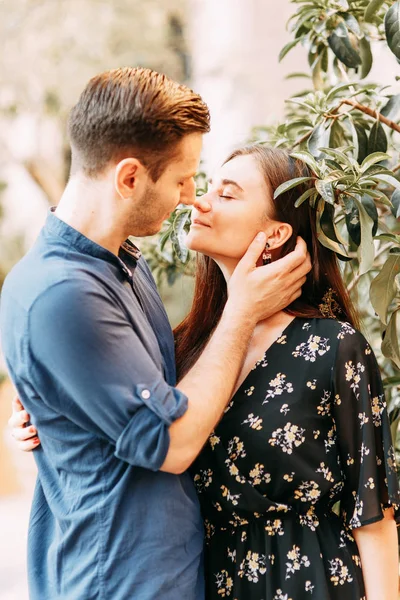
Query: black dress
307	428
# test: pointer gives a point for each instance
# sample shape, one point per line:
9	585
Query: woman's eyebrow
229	182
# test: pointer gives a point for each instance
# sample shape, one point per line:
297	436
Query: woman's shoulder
334	329
343	333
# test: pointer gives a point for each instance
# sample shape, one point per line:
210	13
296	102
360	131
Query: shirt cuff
145	440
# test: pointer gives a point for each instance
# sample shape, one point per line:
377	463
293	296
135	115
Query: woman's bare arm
377	545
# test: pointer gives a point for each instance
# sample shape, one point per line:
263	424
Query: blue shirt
90	350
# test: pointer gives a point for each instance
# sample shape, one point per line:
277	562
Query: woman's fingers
25	436
29	445
18	419
21	434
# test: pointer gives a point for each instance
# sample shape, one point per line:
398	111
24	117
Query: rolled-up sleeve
90	365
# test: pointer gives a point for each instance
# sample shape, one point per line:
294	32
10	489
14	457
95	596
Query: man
90	351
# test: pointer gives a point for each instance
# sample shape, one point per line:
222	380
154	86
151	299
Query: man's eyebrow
229	182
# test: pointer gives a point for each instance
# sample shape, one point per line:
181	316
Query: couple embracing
208	462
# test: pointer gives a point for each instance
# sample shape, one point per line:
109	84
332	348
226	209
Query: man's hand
260	292
26	437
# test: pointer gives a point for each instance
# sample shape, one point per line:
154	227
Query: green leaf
372	159
288	185
392	28
307	194
378	195
383	288
389	179
396	204
325	188
339	156
366	57
390	345
164	239
391	109
366	249
307	158
391	381
307	105
371	209
327	222
340	45
317	139
324	240
288	47
352	218
298	124
372	9
389	237
181	220
352	24
353	133
317	77
324	60
298	75
376	170
377	141
362	143
338	88
336	136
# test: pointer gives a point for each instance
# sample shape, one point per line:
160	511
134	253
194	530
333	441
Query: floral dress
307	428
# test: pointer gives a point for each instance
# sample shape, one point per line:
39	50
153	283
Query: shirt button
145	394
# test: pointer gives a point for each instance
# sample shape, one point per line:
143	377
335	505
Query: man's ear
280	234
130	175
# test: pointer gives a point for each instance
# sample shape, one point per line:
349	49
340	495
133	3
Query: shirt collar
79	241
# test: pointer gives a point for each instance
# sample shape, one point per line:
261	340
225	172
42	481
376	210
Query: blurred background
225	49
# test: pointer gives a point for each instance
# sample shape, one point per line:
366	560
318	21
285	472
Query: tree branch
361	107
302	139
372	113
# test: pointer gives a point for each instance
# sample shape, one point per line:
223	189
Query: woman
307	427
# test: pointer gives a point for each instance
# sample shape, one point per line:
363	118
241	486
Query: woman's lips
200	223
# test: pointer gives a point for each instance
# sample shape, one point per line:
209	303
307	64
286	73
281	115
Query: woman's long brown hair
210	292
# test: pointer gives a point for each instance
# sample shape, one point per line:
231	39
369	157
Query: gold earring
266	255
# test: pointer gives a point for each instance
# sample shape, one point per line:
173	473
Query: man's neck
84	207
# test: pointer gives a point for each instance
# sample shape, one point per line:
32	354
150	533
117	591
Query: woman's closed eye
226	194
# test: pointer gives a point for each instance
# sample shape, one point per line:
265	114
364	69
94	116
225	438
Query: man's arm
254	294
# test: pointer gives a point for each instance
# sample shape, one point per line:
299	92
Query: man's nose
188	194
202	203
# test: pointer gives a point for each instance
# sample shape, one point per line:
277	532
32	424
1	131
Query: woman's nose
202	203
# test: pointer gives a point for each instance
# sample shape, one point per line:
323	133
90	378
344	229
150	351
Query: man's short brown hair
133	112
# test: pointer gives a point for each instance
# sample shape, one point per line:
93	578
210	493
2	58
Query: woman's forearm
377	545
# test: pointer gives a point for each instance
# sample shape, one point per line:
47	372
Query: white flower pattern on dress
378	406
202	480
252	566
315	346
339	572
254	421
278	385
288	438
295	561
